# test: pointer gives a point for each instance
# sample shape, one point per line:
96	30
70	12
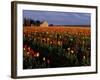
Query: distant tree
32	22
51	25
37	23
26	22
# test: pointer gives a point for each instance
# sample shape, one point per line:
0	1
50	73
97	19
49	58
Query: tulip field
56	46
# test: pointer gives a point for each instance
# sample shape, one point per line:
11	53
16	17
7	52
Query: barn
44	24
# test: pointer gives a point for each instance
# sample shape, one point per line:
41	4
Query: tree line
29	22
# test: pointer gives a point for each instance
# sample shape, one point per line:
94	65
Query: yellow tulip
43	58
72	51
68	49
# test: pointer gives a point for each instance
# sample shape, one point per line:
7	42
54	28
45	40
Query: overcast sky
59	18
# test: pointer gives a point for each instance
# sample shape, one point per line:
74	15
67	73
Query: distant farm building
44	24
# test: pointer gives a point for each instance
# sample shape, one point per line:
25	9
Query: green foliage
69	53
